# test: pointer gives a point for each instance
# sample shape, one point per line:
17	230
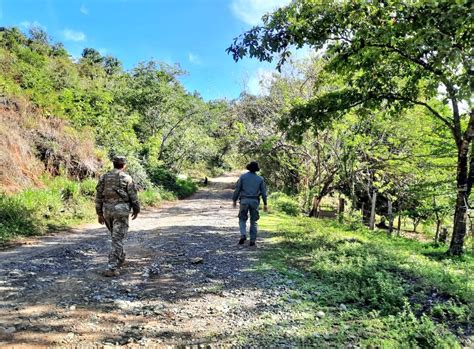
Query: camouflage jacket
116	192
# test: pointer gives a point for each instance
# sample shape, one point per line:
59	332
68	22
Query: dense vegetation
63	119
384	117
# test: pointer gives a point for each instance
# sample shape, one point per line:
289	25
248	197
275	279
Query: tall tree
394	54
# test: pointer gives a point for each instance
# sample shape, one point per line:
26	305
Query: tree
391	54
92	55
111	65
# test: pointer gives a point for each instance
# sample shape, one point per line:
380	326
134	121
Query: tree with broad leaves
392	54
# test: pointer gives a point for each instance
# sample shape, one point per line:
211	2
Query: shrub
60	203
87	187
184	188
180	186
136	170
16	219
150	197
284	203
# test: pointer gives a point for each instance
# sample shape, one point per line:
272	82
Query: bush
136	170
184	188
16	219
149	197
32	211
181	187
87	187
284	203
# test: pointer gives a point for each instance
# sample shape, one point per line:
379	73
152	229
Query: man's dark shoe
242	240
252	243
111	273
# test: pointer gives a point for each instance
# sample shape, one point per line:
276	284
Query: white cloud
84	10
251	11
73	35
193	58
102	51
28	25
260	82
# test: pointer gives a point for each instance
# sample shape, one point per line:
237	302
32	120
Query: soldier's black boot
252	243
242	240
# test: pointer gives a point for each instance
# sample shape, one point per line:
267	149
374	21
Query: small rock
68	338
343	307
197	260
10	330
72	307
320	314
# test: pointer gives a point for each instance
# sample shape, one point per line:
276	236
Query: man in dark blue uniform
250	187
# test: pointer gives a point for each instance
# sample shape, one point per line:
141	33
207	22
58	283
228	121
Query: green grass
398	293
284	203
60	204
154	196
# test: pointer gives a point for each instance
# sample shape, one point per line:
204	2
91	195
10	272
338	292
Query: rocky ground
186	281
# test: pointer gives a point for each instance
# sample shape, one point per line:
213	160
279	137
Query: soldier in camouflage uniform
116	195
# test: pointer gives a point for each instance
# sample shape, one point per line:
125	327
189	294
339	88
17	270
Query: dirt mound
31	144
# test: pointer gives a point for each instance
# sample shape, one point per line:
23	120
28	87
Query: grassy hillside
374	292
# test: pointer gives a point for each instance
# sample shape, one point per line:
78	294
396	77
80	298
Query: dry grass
31	145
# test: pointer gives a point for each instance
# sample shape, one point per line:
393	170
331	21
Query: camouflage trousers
118	227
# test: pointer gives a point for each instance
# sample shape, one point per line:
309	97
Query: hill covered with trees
62	119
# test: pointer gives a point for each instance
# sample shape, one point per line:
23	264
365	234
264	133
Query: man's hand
234	205
265	208
135	213
101	219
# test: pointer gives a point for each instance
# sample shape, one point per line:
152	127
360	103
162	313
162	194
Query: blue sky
193	33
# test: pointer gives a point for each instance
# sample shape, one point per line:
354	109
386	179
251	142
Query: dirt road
186	281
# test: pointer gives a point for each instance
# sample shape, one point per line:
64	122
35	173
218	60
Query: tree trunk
315	207
365	214
438	226
443	236
372	211
342	203
415	224
399	225
390	217
460	213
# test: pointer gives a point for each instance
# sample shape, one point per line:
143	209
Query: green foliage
149	197
284	203
60	203
395	294
184	187
144	114
389	56
180	186
87	187
16	219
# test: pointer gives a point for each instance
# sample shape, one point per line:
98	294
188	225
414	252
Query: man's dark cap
119	160
253	166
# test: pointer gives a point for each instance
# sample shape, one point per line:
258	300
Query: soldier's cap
253	166
119	160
